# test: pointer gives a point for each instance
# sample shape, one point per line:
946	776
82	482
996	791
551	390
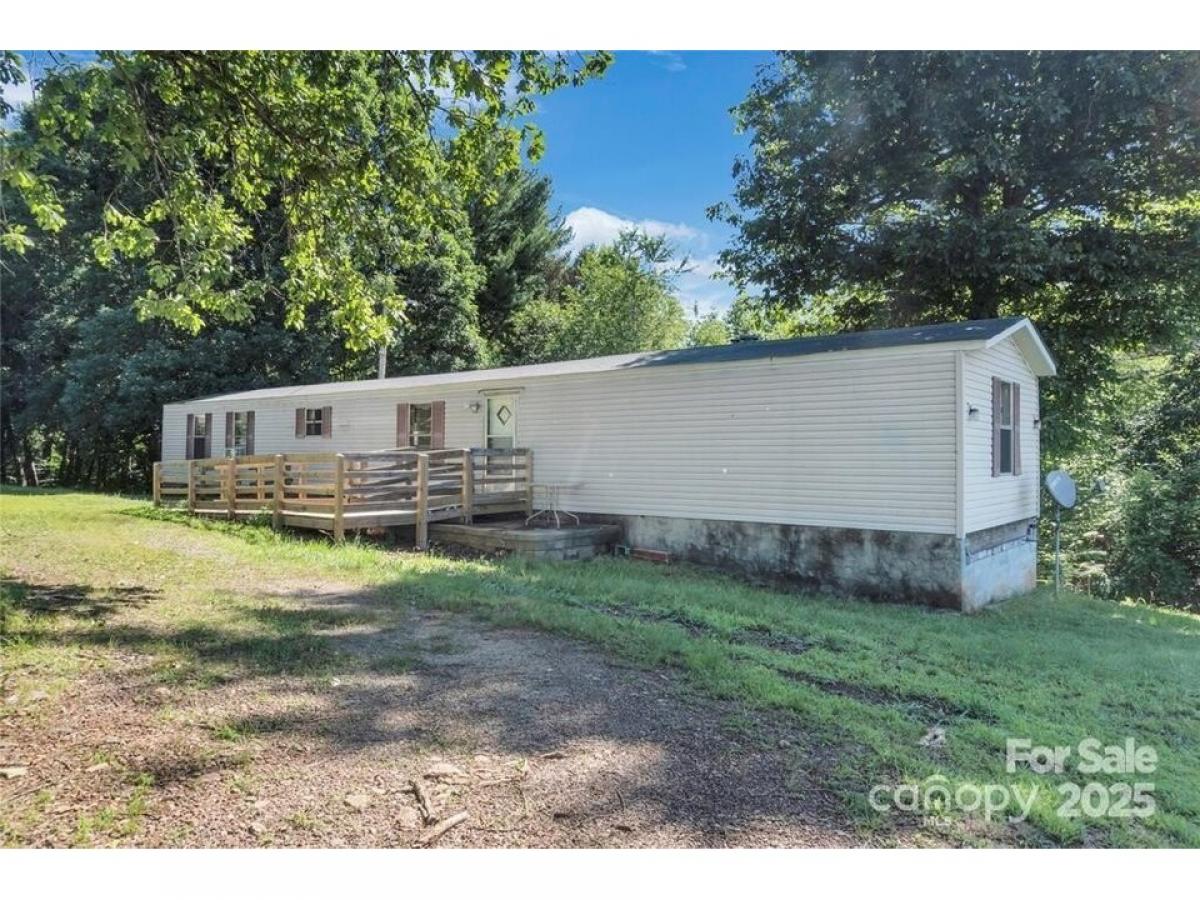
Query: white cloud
18	94
595	226
700	292
670	60
704	266
697	288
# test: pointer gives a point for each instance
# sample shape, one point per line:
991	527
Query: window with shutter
1006	405
199	436
198	442
420	426
239	433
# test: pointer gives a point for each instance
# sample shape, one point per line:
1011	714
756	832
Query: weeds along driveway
180	682
158	695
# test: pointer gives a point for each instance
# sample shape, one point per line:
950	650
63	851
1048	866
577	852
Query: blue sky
650	144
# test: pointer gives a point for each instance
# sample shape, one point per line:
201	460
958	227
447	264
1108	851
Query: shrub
1156	546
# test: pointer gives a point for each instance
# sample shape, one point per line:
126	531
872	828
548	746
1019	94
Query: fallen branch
429	835
428	816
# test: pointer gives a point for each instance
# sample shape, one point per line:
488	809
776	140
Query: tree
519	245
899	188
1156	533
708	331
85	377
366	154
618	299
441	329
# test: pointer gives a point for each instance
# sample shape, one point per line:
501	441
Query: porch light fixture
972	412
474	406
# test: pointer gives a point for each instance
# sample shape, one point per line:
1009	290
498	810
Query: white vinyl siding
996	500
855	440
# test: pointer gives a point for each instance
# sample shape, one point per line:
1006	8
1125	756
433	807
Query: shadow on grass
852	688
364	672
76	601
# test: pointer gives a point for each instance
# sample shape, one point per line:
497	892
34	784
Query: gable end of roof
1034	349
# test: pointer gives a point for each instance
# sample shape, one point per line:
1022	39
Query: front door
501	424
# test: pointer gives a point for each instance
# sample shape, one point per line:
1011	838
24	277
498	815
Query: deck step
511	536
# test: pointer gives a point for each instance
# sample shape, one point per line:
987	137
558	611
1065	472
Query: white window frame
414	437
199	432
235	448
314	415
1006	387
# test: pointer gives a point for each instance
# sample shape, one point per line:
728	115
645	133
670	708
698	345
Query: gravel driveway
540	741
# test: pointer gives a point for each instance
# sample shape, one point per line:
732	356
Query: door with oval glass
500	427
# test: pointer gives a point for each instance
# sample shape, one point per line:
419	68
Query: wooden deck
340	492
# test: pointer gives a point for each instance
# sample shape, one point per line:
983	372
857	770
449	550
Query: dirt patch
541	741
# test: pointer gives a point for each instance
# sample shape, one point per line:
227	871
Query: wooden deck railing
339	491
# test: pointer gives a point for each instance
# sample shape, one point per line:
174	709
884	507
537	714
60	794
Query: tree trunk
28	472
985	301
8	442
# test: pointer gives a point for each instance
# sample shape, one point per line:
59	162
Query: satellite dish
1061	487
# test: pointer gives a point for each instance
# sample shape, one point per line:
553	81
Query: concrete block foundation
998	563
898	566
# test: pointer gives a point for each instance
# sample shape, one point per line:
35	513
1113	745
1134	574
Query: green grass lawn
863	687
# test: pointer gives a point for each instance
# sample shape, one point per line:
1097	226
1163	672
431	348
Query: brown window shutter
439	424
327	422
250	433
401	424
1016	437
207	435
228	431
300	421
189	449
995	426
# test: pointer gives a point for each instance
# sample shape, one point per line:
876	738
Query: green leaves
368	154
947	185
38	190
15	240
619	299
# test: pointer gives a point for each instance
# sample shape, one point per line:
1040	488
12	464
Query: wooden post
468	486
231	488
422	514
157	484
191	495
528	482
277	498
339	498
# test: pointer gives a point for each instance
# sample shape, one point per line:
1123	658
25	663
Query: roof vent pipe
383	361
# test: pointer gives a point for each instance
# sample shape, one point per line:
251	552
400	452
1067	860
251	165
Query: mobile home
899	464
